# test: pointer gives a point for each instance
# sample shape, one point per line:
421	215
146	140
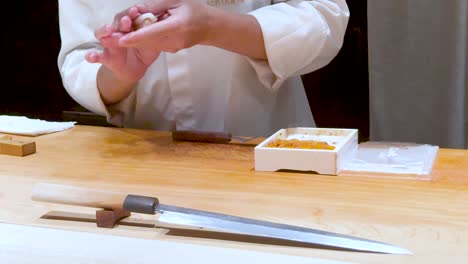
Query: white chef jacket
207	88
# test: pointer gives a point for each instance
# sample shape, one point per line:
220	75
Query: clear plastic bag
393	158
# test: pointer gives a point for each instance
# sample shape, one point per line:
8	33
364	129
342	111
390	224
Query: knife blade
204	220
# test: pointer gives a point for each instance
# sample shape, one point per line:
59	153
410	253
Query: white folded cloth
21	125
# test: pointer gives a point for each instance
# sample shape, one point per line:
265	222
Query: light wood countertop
428	217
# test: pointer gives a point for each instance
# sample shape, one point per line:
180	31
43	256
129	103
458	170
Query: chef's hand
121	67
128	64
182	24
185	23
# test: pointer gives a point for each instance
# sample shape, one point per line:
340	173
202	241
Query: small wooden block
109	218
18	148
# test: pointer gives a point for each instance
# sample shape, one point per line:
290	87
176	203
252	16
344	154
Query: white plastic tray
393	158
321	161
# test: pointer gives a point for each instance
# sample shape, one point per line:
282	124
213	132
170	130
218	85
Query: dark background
338	93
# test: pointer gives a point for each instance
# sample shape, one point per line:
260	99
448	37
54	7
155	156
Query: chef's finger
150	33
156	7
131	13
125	24
104	31
93	57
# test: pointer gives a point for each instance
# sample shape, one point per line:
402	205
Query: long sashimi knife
191	218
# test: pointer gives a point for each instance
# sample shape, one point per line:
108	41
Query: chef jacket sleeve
78	75
299	37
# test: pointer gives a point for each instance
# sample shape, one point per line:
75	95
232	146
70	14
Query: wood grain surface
428	217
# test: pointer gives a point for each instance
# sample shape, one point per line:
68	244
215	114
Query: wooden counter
429	218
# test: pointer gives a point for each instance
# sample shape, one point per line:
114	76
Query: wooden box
322	161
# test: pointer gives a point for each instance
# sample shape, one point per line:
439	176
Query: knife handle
201	136
79	196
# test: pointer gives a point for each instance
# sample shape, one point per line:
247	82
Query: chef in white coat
209	65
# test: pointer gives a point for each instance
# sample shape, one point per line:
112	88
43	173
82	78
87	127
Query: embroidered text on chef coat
224	2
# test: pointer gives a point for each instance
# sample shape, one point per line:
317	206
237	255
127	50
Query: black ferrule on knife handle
140	204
